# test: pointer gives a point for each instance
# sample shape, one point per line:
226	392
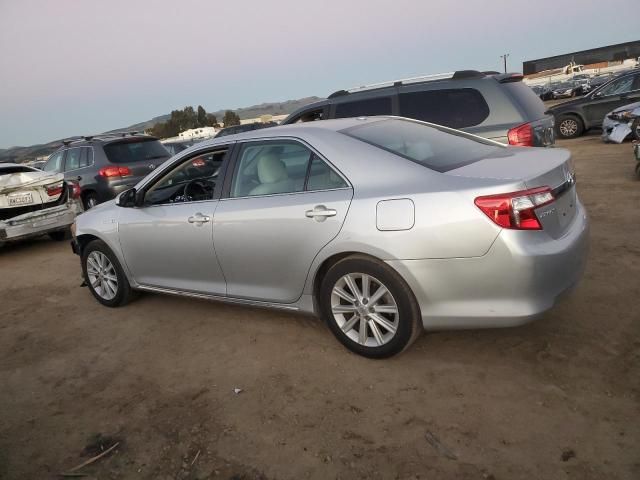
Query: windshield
137	150
434	147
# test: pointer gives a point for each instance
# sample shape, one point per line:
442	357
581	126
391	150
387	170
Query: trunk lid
532	168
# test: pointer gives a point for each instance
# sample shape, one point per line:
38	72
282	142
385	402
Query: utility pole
504	58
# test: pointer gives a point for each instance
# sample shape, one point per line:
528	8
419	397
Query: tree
202	117
212	121
230	118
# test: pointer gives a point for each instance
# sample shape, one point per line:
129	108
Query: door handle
320	213
198	219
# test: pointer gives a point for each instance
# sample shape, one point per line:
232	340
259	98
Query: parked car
543	91
34	203
574	117
246	127
622	122
564	90
383	226
495	106
176	146
105	165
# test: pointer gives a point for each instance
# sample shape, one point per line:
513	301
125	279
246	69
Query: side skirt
217	298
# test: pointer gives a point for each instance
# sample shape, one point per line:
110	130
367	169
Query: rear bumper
515	282
38	223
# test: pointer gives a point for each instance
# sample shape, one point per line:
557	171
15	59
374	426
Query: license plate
24	199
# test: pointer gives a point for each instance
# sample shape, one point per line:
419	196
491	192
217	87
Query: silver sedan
382	226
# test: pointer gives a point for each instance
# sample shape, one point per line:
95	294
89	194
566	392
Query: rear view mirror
127	199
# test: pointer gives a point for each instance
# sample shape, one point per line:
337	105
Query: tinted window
86	159
322	176
622	85
269	168
72	161
463	107
134	150
54	164
429	146
528	100
193	180
363	108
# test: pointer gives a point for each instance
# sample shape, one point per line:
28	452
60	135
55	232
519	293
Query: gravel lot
556	399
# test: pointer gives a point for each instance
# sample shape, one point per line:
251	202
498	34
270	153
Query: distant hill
23	154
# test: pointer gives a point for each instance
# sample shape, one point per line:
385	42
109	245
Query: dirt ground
556	399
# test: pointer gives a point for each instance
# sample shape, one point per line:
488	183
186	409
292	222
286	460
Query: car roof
105	138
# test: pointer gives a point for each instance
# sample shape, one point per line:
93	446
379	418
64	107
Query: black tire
60	235
635	129
571	125
89	200
123	292
409	322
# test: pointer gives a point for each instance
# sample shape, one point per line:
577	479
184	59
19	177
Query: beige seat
273	176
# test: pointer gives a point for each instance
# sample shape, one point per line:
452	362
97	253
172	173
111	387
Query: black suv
488	104
106	165
575	117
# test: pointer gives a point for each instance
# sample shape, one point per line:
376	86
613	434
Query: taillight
74	189
114	172
515	210
54	189
521	136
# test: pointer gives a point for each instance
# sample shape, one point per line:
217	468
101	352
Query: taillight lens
521	136
109	172
54	189
516	210
74	189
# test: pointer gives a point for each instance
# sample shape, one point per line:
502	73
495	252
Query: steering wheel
194	189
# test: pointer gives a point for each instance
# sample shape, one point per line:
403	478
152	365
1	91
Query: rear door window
435	148
72	161
137	150
86	158
364	108
455	108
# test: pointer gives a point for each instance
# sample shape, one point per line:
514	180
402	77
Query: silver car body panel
463	269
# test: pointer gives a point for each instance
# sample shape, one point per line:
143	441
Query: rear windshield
436	148
527	99
135	151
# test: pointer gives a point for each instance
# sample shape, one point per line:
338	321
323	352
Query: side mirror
127	199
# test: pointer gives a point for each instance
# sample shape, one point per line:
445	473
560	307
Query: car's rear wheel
89	200
369	307
569	126
104	275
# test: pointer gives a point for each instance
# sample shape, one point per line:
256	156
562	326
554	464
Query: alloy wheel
568	127
364	309
102	275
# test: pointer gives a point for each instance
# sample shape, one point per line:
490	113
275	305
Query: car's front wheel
369	307
569	126
104	276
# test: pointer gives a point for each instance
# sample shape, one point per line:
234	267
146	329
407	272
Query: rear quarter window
433	147
529	102
455	108
362	108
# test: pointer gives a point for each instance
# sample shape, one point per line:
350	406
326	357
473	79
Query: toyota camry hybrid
382	226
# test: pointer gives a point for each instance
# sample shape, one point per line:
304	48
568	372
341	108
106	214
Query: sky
74	67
